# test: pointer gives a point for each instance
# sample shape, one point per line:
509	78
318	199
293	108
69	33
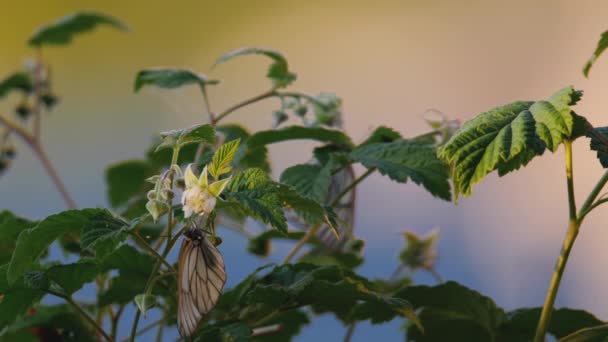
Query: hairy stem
83	313
146	246
262	96
571	234
170	242
52	172
309	234
589	202
352	185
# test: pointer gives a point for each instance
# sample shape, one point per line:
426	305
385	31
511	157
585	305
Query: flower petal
190	178
202	181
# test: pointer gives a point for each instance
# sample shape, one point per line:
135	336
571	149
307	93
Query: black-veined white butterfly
201	278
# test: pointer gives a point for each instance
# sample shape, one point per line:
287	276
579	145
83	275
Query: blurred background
390	61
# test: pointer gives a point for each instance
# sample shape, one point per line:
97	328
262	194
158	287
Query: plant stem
573	228
589	205
115	321
309	234
435	275
149	248
83	313
170	242
349	332
35	146
313	231
545	316
570	179
352	185
264	95
207	105
52	172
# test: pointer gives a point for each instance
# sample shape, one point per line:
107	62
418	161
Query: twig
309	234
82	313
149	248
267	94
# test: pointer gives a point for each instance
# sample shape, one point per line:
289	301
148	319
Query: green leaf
233	332
220	164
102	233
63	31
10	227
278	71
128	260
452	312
252	157
15	299
309	180
382	134
134	268
263	138
144	302
311	211
599	143
127	179
602	44
32	242
258	196
18	81
123	288
180	137
522	323
61	319
597	333
406	159
508	137
170	78
324	288
72	277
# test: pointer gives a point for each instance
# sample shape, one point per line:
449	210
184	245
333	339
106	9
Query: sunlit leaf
220	164
170	78
258	196
63	31
252	157
509	137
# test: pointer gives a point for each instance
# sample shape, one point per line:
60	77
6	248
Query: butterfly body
201	279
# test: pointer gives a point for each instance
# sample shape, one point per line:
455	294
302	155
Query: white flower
200	197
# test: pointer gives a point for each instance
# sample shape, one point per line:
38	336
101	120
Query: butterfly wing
201	279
